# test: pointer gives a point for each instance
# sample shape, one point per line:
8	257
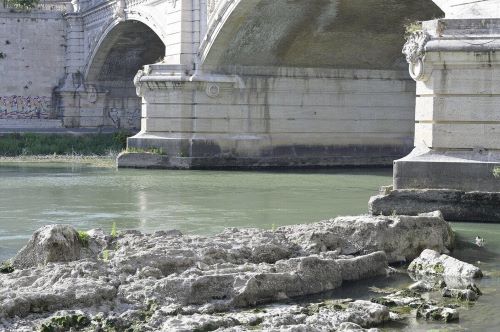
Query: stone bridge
230	83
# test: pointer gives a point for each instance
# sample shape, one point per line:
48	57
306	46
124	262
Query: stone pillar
183	17
456	63
68	92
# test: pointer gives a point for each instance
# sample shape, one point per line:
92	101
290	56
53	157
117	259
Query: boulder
471	293
52	243
431	262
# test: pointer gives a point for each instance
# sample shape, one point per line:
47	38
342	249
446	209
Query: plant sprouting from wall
411	27
496	172
20	4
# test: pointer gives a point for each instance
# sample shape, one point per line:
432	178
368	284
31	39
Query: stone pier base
473	170
455	205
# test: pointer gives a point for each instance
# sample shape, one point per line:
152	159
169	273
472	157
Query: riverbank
104	161
65	144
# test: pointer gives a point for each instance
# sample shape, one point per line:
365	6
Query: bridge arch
322	33
123	48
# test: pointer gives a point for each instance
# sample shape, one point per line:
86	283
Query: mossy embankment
90	148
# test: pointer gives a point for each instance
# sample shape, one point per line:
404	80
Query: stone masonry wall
32	47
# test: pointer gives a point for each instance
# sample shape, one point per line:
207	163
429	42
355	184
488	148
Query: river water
205	202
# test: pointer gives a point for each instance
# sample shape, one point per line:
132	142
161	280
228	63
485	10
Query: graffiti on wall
21	107
125	118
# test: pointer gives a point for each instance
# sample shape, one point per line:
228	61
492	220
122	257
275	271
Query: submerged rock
401	298
471	293
432	312
431	262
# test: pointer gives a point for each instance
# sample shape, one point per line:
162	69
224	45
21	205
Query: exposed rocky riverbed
239	280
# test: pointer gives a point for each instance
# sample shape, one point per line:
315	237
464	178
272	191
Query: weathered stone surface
357	316
53	243
402	238
60	243
469	9
453	204
401	298
431	312
455	113
431	262
461	294
166	278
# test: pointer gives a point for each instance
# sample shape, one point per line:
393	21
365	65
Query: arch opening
126	48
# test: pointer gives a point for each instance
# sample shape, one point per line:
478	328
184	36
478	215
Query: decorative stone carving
212	90
414	50
137	82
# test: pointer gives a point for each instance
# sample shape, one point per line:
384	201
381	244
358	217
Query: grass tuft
84	238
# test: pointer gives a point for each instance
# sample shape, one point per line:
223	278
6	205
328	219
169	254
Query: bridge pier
456	160
457	130
261	118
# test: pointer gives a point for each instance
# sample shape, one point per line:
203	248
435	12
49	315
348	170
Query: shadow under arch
358	34
122	51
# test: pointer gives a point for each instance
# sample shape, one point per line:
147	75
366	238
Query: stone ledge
450	170
455	205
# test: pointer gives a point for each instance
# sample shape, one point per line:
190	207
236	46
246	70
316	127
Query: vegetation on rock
64	323
6	267
84	238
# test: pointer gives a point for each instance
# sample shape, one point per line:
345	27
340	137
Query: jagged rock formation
167	279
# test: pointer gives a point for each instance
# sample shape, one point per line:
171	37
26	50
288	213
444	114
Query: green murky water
199	202
192	201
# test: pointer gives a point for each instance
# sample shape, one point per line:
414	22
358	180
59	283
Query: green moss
339	306
438	268
384	301
6	267
405	310
83	237
408	293
64	323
